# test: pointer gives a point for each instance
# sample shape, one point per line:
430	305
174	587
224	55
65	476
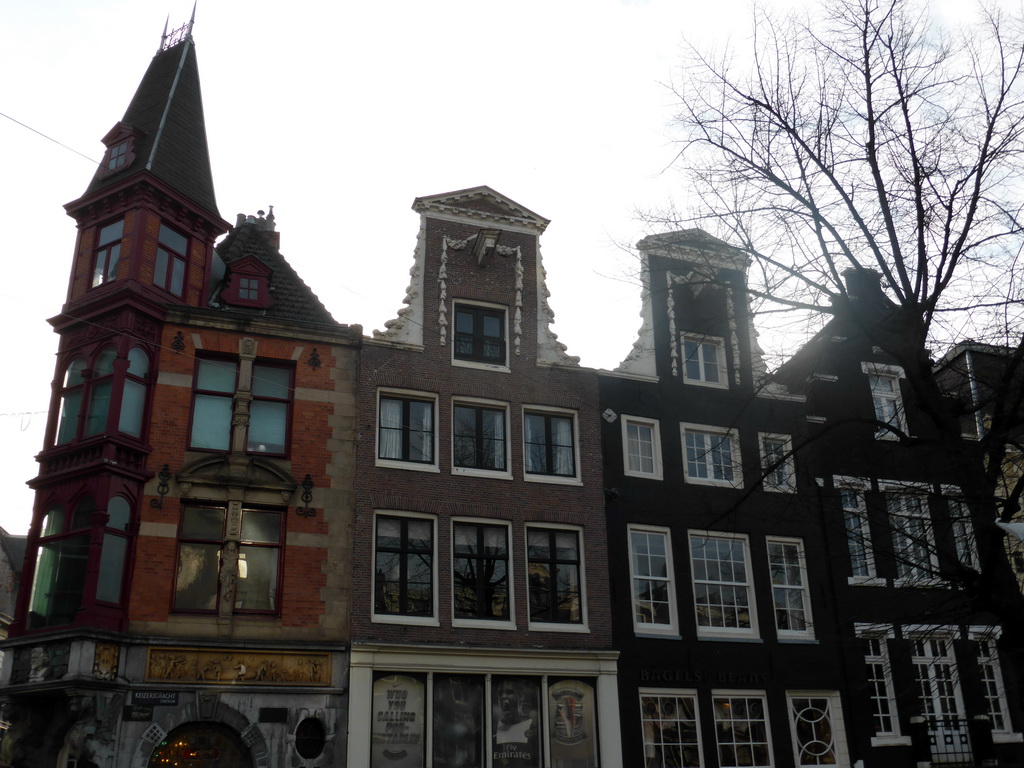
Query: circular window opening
310	738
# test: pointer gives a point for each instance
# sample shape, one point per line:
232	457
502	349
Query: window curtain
391	429
561	447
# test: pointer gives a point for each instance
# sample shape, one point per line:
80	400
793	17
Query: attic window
117	157
248	283
120	150
249	289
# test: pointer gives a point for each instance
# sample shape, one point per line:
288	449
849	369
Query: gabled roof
167	115
14	549
481	204
293	299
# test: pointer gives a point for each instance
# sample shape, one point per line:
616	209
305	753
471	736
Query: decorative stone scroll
220	666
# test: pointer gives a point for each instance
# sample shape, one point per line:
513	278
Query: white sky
339	115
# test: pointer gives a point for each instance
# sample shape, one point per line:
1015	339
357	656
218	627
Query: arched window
71	401
61	565
100	384
90	403
115	546
133	401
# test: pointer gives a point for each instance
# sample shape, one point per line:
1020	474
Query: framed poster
515	713
572	724
397	732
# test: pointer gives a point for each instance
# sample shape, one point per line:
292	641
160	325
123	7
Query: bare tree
867	138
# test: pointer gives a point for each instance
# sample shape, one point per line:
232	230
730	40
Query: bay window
58	584
171	261
107	253
96	397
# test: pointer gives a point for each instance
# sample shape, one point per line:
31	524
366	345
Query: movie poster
515	712
397	733
572	726
458	723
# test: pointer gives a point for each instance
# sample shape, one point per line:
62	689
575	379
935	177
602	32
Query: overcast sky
339	115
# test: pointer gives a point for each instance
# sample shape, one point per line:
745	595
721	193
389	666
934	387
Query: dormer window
249	288
248	283
117	157
120	154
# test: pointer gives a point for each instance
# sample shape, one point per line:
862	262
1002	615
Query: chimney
862	283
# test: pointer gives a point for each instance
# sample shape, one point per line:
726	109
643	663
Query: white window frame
938	671
734	450
856	487
722	367
392	618
557	626
657	472
772	466
961	525
539	477
803	588
504	366
644	628
875	371
837	728
724	633
462	621
407	394
880	634
496	405
993	683
742	694
649	746
904	540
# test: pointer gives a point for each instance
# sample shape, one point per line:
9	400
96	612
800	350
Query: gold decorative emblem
104	663
210	665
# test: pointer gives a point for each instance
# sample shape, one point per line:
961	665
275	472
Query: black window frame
405	428
486	591
473	346
405	550
480	442
547	445
548	611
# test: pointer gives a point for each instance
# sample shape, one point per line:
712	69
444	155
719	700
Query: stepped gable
293	300
166	115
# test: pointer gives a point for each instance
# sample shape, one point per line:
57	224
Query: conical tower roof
166	115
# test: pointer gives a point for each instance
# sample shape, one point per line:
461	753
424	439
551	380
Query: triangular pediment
481	204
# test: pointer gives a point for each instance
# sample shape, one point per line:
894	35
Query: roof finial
183	33
163	37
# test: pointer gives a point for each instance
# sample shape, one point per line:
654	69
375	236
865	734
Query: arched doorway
201	745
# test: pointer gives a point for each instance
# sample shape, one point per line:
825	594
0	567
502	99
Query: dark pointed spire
166	114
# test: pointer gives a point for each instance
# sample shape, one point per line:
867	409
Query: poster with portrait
458	721
515	713
397	732
572	724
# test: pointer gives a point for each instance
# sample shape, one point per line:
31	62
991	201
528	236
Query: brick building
189	549
481	630
729	650
905	543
